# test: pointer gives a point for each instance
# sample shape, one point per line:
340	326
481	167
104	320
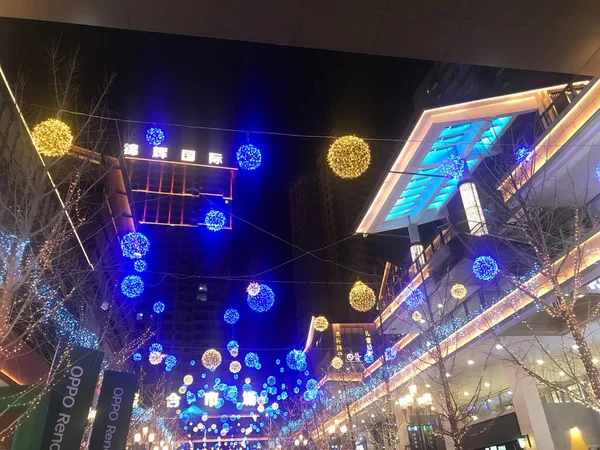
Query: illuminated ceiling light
440	305
155	136
134	245
486	384
349	157
337	363
499	347
248	157
362	298
320	324
540	362
470	362
215	220
458	291
263	300
211	359
447	375
132	286
595	360
561	373
466	394
231	316
253	289
485	268
52	137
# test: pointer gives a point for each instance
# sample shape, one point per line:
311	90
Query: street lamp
411	405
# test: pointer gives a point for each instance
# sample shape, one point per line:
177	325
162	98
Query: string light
231	316
135	245
485	267
337	362
263	300
248	157
453	167
211	359
251	360
523	154
235	366
158	307
321	323
362	297
215	220
296	360
132	286
52	137
415	298
140	265
349	157
155	136
253	289
458	291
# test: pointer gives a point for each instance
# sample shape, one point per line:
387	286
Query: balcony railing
561	101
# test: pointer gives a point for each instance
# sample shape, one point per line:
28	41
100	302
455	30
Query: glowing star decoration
523	154
349	157
390	353
173	400
211	399
140	265
249	398
458	291
296	360
253	289
215	220
131	149
211	359
485	268
134	245
362	297
231	316
160	152
248	157
320	323
263	300
416	316
52	137
158	307
215	158
188	155
132	286
453	167
137	357
235	366
337	362
251	360
155	136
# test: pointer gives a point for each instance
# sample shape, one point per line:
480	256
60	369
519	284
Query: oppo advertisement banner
70	401
113	411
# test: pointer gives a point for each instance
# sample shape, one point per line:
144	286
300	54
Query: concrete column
416	248
402	431
528	407
472	207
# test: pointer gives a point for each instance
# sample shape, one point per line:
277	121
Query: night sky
196	81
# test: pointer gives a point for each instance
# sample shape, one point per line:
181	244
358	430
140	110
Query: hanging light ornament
132	286
155	348
158	307
453	167
320	323
349	157
362	297
263	301
233	348
248	157
215	220
337	363
296	360
598	171
251	360
458	291
253	289
523	154
415	298
155	358
140	265
417	316
137	357
135	245
188	379
231	316
390	353
211	359
235	366
52	137
155	136
485	267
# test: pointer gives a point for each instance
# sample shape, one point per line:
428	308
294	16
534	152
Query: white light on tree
472	206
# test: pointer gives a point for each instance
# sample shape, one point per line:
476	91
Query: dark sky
219	83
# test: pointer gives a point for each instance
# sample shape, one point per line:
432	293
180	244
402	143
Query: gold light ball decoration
52	137
156	358
362	297
458	291
235	366
337	363
416	316
211	359
188	379
182	389
349	157
321	323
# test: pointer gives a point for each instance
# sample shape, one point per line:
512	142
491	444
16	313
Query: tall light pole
411	405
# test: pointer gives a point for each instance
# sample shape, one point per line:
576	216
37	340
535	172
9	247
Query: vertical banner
71	399
113	412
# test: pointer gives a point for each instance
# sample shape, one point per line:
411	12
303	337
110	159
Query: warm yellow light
320	323
151	438
575	431
137	437
417	316
182	389
188	379
362	297
52	137
260	408
331	429
211	359
349	157
344	429
145	431
235	367
458	291
337	363
156	358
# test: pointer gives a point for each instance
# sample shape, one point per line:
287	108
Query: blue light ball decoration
369	358
132	286
140	265
453	167
271	380
312	385
277	361
158	307
296	390
296	360
190	397
231	316
263	301
390	353
170	362
251	360
598	171
248	157
523	154
215	220
155	348
233	345
281	369
155	136
414	299
137	357
258	366
193	362
134	245
485	268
